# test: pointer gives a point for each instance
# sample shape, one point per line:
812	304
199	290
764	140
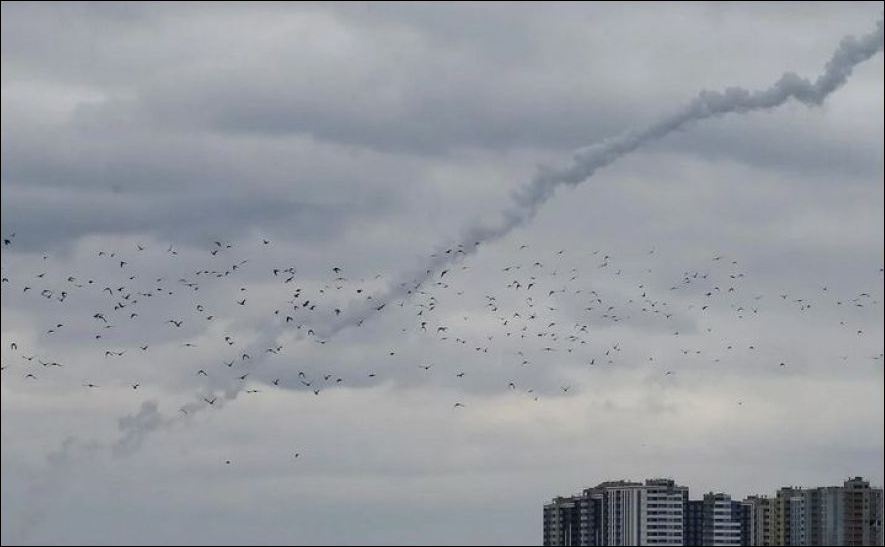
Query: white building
644	514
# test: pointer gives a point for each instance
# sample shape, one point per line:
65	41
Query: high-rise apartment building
862	516
643	514
694	522
618	513
757	517
788	517
562	521
722	521
850	514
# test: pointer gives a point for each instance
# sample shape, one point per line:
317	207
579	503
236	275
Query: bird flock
251	329
245	330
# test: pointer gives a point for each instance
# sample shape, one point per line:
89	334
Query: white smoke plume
526	202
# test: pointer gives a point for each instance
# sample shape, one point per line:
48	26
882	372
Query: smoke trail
526	201
32	507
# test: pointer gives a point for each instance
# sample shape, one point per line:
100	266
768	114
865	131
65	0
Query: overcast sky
368	137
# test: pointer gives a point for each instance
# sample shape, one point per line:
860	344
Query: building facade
757	511
694	522
619	513
862	513
562	521
658	512
722	521
643	514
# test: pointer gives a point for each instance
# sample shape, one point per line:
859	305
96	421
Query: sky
385	140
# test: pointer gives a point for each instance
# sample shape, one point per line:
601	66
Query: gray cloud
363	136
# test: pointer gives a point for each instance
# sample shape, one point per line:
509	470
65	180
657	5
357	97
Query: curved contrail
526	201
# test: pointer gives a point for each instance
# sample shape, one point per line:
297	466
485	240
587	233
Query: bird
521	310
